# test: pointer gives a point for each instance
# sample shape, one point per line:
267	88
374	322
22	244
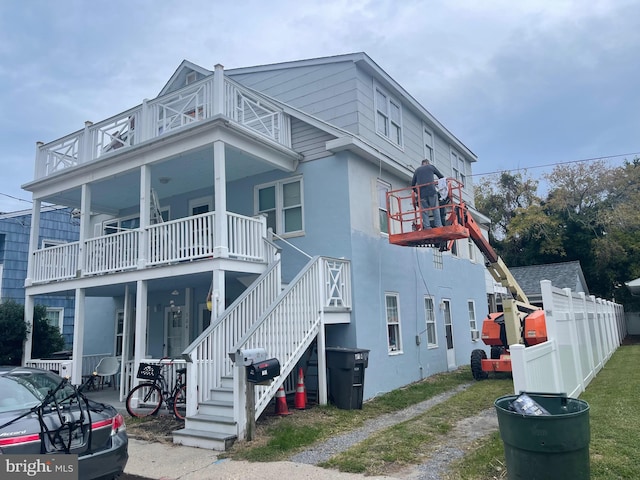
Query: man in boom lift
423	177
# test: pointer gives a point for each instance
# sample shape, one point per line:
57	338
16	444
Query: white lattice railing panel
337	283
115	133
56	263
184	107
59	155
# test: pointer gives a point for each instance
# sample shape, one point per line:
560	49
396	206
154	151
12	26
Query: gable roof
561	275
634	286
184	65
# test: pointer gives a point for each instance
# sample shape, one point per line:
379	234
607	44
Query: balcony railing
184	239
161	116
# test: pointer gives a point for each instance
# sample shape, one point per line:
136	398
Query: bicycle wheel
144	400
180	403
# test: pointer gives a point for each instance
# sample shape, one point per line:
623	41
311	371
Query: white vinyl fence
583	332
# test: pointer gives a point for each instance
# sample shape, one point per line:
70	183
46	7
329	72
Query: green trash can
546	447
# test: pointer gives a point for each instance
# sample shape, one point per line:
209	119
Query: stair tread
212	418
218	403
191	432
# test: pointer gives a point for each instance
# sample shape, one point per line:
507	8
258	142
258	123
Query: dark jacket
426	174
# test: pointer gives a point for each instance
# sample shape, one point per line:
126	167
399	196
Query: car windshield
26	389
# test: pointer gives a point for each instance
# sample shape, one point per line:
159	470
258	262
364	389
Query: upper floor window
430	319
458	166
47	243
388	116
393	322
427	138
382	189
472	250
437	259
191	77
55	317
281	202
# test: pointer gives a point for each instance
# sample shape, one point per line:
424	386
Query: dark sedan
43	414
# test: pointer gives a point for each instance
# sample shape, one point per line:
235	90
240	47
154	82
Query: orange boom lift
519	322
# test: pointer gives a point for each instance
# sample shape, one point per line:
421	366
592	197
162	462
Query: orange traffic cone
300	401
281	403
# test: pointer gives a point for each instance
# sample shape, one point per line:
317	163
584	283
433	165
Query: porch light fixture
175	293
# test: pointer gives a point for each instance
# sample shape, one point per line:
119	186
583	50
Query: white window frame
382	188
459	167
472	250
164	211
1	268
471	309
430	321
438	263
47	243
190	78
200	202
393	322
119	312
428	141
60	311
279	205
385	125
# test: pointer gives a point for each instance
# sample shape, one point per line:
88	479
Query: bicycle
146	398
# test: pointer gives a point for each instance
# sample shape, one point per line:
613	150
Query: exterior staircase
285	322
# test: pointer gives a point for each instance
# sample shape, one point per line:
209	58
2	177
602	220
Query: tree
14	332
46	338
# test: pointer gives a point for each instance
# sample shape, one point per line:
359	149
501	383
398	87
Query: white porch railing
208	352
110	253
289	326
89	363
178	240
583	333
160	116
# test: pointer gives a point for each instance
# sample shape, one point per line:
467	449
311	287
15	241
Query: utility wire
15	198
608	157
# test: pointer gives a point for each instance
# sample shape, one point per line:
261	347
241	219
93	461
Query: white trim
60	311
279	208
433	321
429	146
48	242
472	303
381	186
398	324
200	202
385	111
1	268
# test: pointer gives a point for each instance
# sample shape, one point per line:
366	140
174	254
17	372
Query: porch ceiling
189	171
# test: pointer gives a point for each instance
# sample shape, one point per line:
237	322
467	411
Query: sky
523	84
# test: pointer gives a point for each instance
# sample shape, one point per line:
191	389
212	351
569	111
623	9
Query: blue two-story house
246	209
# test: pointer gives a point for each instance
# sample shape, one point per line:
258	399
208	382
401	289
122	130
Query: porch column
78	336
34	235
221	240
85	224
217	294
29	303
139	348
145	214
124	358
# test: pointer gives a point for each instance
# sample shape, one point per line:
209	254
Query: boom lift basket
405	213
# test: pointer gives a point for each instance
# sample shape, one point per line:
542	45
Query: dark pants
431	202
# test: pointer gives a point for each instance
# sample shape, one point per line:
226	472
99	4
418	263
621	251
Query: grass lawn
614	422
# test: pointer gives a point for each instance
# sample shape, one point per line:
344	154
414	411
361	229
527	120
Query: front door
448	332
176	331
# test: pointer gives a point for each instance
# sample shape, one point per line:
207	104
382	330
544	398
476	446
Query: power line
608	157
15	198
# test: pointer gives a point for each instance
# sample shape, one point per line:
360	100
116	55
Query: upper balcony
212	96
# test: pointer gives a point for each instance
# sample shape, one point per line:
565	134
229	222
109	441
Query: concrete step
202	439
215	423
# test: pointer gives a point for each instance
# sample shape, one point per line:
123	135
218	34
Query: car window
15	396
39	384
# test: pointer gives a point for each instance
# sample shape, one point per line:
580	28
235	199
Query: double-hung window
430	319
459	167
393	322
388	116
55	317
382	188
281	202
471	307
427	138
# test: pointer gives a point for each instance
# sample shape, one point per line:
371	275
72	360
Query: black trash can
546	447
346	376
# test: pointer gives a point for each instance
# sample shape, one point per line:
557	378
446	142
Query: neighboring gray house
561	275
246	208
